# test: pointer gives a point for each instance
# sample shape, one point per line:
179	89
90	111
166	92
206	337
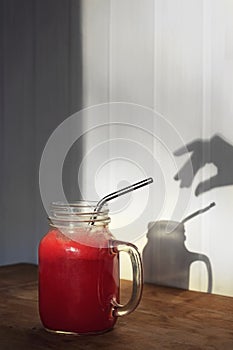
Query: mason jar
79	277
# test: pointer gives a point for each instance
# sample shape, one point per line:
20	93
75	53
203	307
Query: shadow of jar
166	259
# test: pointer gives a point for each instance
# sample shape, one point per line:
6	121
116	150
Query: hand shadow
216	151
166	259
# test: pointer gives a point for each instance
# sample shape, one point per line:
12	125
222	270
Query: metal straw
198	212
121	192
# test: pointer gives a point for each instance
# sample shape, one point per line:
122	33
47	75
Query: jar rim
80	212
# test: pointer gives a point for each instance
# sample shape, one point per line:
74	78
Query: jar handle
135	258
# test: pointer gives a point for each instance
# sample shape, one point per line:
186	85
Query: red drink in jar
77	284
79	273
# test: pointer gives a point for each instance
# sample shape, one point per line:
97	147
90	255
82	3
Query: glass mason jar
79	271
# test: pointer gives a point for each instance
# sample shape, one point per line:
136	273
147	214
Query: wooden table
167	318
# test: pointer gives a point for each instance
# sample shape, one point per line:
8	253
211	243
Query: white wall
175	57
150	57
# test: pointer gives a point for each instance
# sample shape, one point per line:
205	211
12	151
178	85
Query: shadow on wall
215	151
166	260
40	86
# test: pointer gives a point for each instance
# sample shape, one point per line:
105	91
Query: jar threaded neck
76	214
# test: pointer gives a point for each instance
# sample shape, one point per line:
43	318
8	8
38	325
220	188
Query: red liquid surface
77	283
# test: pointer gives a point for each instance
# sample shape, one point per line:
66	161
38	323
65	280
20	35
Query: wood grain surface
166	318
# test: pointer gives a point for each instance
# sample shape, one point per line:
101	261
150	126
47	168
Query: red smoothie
77	282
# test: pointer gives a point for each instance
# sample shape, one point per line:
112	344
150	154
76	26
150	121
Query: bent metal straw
121	192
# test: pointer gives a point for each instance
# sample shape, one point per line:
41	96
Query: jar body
78	281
